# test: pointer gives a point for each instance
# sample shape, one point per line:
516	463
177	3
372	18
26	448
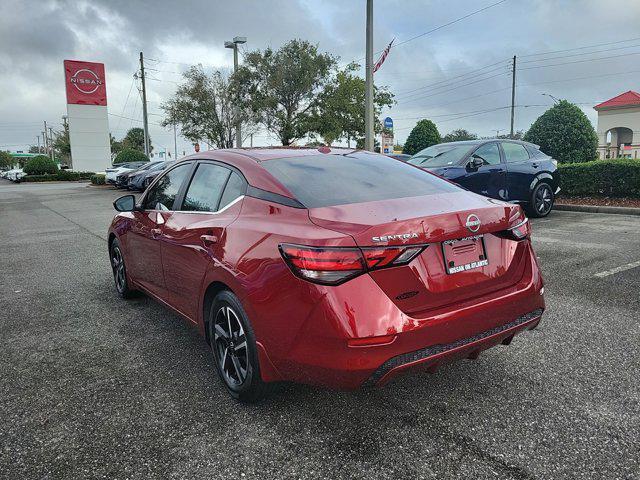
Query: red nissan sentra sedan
331	267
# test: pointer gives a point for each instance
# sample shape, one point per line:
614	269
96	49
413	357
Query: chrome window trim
203	212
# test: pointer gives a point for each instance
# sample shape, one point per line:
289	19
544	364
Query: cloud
36	36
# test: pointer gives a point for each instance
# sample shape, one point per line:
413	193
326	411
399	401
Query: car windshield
328	180
442	155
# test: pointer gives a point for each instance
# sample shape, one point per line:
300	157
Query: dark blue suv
507	170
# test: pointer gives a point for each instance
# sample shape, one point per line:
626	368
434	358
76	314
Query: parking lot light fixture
234	45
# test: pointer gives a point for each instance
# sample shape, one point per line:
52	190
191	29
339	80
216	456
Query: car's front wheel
234	348
120	270
542	200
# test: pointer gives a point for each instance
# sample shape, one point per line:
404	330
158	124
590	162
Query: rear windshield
327	180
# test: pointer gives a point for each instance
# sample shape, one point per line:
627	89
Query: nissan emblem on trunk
473	223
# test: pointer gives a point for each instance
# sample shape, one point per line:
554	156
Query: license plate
464	254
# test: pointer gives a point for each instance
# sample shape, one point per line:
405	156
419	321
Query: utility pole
46	140
51	137
175	143
368	94
144	108
513	94
251	136
38	137
234	45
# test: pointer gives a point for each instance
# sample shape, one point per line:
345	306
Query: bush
423	135
130	155
62	175
40	165
611	178
565	133
98	179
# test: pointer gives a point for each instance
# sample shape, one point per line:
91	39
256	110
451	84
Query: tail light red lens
335	265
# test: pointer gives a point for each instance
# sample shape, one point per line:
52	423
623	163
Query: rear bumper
431	358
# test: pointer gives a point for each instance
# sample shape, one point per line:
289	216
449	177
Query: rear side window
206	188
326	180
514	152
234	189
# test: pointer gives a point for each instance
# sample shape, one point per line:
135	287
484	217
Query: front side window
514	152
205	189
489	153
163	194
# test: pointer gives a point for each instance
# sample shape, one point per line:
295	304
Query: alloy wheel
543	200
117	262
230	344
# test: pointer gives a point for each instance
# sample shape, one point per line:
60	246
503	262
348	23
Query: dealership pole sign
86	88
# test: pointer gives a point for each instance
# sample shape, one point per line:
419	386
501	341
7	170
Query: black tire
233	344
542	200
119	268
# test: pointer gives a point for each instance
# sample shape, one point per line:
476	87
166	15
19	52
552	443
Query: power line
501	63
581	61
581	48
581	54
439	27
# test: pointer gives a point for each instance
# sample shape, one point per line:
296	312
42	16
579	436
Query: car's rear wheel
234	348
120	270
542	200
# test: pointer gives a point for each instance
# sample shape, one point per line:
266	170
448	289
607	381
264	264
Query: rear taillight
335	265
520	231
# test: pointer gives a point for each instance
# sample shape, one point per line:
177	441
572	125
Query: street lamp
234	45
555	100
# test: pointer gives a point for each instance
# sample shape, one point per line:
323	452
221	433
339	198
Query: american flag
383	57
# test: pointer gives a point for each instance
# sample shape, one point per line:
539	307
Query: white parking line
622	268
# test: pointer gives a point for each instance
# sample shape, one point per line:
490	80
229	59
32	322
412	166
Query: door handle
155	232
208	240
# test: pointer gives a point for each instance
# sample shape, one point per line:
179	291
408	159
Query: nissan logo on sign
85	81
473	223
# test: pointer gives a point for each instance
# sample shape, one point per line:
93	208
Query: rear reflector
335	265
371	341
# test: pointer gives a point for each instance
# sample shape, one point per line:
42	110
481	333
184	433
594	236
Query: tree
280	86
206	108
459	135
517	135
116	146
423	135
565	133
62	145
130	155
338	110
40	165
135	139
6	160
36	149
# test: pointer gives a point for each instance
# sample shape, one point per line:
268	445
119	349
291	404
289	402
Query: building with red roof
619	126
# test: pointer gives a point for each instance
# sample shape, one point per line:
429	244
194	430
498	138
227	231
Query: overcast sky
429	75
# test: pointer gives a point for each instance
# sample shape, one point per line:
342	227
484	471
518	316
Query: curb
597	209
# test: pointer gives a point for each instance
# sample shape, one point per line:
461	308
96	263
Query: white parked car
112	173
15	175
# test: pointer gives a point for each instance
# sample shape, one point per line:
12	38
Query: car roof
248	161
487	140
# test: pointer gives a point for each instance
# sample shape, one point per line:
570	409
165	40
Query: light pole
368	93
234	45
555	100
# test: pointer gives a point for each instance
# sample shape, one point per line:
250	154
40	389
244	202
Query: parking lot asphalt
96	387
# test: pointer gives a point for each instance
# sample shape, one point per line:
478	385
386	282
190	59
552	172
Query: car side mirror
126	203
475	163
